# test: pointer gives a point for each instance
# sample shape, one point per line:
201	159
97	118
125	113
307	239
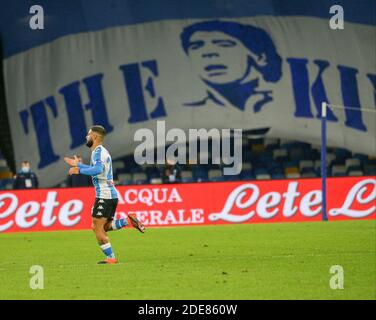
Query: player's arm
94	170
81	165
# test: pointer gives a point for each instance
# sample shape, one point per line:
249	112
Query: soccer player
106	195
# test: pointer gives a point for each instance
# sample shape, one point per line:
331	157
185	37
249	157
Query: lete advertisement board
193	204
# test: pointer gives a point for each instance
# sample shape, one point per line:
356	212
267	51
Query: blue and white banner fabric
225	71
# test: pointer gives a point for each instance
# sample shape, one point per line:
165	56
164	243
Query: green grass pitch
259	261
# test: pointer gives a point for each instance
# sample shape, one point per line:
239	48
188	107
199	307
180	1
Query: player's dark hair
99	130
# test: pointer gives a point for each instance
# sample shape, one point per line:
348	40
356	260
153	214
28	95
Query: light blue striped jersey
103	182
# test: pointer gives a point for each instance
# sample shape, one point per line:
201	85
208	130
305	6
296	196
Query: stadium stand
6	175
263	159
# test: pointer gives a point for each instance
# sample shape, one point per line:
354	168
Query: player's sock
107	250
118	224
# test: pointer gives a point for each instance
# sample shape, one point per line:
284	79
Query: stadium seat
232	177
265	159
139	178
9	184
6	184
280	154
352	164
271	144
271	141
293	175
317	165
152	172
355	173
338	171
214	173
296	153
117	165
286	144
304	164
156	181
330	157
308	174
259	171
247	155
314	155
125	177
342	154
362	157
291	170
186	174
154	175
264	176
257	148
246	166
290	164
275	168
135	168
278	176
272	147
6	175
200	174
338	162
308	170
218	179
122	170
247	175
371	160
370	169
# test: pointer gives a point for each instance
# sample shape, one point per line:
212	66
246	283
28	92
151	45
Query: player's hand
72	162
74	170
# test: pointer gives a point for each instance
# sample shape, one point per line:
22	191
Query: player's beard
89	143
